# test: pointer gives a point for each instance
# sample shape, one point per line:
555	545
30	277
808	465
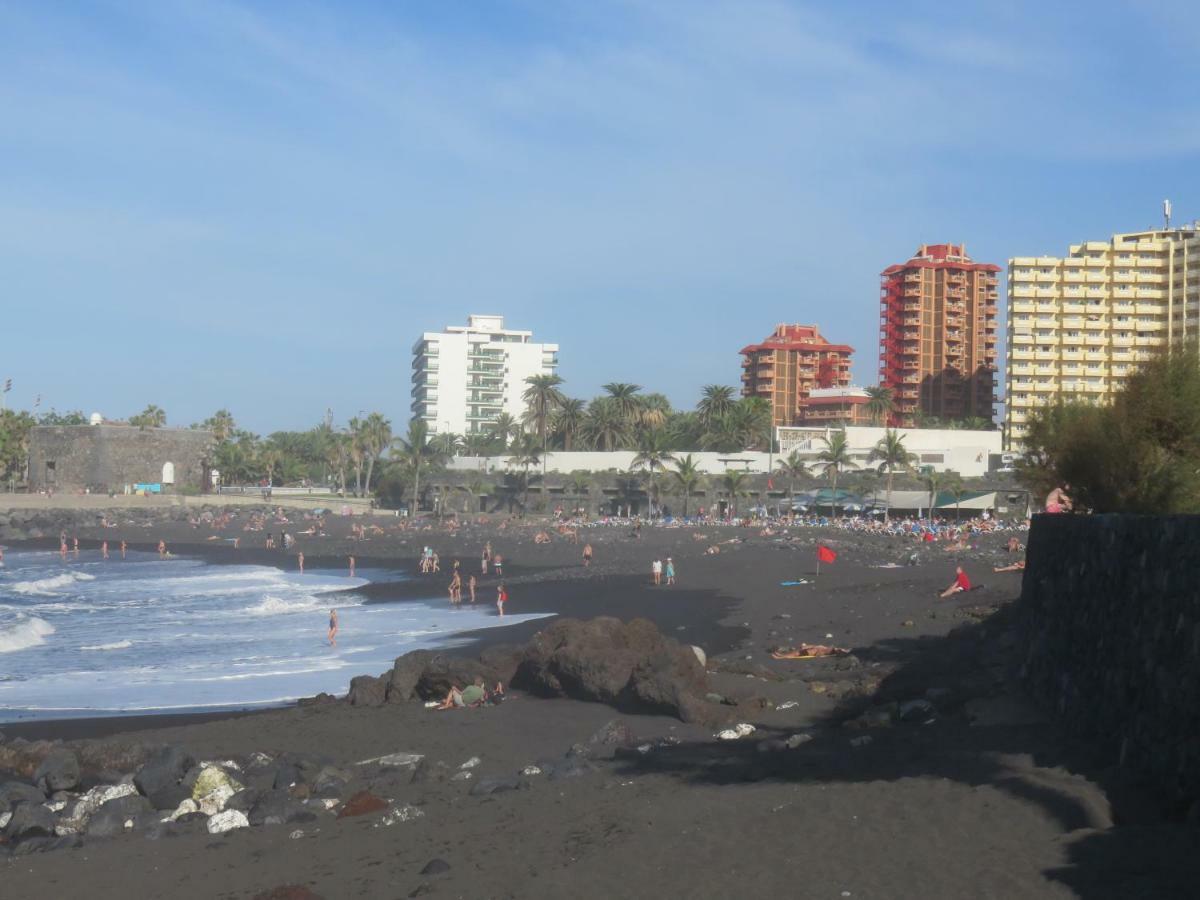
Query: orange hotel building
786	367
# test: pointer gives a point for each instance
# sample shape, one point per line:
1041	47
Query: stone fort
104	458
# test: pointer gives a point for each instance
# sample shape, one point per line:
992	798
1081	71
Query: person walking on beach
456	589
501	598
670	572
587	556
333	627
352	567
471	587
656	572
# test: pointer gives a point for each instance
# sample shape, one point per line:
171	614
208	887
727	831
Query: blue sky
260	205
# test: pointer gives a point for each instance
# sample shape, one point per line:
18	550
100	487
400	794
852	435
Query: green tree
14	445
606	428
569	420
933	484
686	476
376	438
734	485
75	417
526	453
221	424
892	456
792	467
716	401
953	482
417	454
1138	454
150	417
835	459
625	400
542	397
504	428
652	456
881	403
579	484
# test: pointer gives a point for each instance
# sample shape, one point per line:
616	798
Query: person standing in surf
352	567
501	598
333	627
300	560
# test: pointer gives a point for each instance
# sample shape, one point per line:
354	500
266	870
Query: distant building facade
937	342
463	378
789	365
116	458
1080	323
837	406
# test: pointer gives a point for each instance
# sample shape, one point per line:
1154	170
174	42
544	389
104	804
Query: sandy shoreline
985	799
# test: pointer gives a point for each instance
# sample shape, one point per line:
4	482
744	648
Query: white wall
965	452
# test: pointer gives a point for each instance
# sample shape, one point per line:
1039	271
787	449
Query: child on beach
501	598
587	555
656	572
498	565
960	584
670	572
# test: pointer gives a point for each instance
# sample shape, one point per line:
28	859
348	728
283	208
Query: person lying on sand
542	537
712	551
1018	566
473	695
808	651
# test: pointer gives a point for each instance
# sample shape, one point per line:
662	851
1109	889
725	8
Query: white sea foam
24	633
277	606
116	645
44	587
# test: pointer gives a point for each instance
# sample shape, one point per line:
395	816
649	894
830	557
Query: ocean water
97	637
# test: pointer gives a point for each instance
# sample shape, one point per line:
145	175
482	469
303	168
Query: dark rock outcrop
629	666
160	779
367	690
14	792
59	771
29	820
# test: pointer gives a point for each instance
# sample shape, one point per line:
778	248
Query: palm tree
221	424
449	443
933	484
337	454
269	459
376	438
357	450
953	482
417	453
653	412
504	427
793	466
882	403
625	400
977	423
527	452
580	484
476	443
687	476
542	398
715	402
834	459
606	427
652	456
734	484
892	456
569	420
150	417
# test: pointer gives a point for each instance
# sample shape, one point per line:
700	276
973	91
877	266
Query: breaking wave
24	633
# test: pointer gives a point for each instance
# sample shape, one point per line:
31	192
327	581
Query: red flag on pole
825	555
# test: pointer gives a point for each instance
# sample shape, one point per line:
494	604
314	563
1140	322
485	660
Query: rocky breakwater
1110	613
630	666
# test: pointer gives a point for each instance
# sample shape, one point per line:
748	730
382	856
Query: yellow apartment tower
1079	324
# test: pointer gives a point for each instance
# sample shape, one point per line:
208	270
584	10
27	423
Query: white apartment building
1079	324
464	377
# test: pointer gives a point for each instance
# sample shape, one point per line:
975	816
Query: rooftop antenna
1167	214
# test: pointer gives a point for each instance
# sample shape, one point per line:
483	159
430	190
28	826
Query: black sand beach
969	793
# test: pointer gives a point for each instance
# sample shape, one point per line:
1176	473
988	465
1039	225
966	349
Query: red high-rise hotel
786	367
937	342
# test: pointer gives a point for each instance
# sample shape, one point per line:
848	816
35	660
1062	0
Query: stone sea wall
108	457
1112	625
